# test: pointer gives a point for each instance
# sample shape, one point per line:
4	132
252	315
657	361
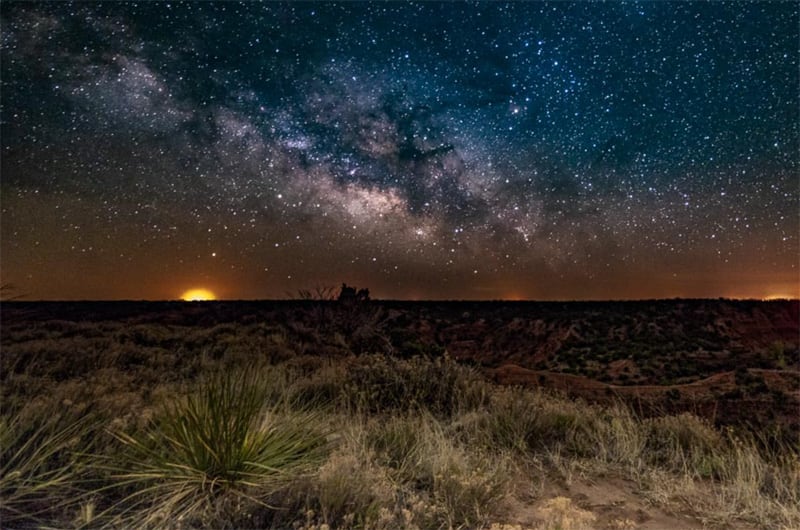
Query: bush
379	383
214	455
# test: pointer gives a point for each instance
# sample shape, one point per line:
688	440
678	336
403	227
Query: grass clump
352	490
620	438
211	458
402	472
684	443
447	484
755	486
397	445
40	468
524	421
467	485
382	384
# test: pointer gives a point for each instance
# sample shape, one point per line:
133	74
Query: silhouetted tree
350	294
347	294
319	293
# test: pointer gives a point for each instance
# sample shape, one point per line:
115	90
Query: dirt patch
604	504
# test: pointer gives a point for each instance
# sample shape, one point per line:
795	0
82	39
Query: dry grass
406	473
560	514
415	443
41	467
380	384
765	491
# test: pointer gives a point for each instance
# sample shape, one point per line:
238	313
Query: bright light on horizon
781	296
198	295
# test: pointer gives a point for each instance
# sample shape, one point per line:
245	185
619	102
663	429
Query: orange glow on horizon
198	295
779	296
513	297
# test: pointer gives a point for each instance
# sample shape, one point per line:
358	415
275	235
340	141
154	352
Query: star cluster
425	150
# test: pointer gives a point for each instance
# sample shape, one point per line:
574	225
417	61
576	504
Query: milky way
427	150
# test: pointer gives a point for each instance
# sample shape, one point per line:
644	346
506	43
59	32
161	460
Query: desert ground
384	414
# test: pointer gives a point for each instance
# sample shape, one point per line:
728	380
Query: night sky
425	151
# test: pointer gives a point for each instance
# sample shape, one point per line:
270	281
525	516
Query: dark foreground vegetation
381	415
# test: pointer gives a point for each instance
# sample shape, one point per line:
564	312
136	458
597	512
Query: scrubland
318	418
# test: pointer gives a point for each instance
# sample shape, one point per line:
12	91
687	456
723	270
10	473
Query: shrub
379	383
215	454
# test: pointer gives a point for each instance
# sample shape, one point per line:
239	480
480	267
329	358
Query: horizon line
450	300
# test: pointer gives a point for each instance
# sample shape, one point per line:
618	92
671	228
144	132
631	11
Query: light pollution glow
198	295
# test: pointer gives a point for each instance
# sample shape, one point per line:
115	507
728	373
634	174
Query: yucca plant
40	464
209	458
